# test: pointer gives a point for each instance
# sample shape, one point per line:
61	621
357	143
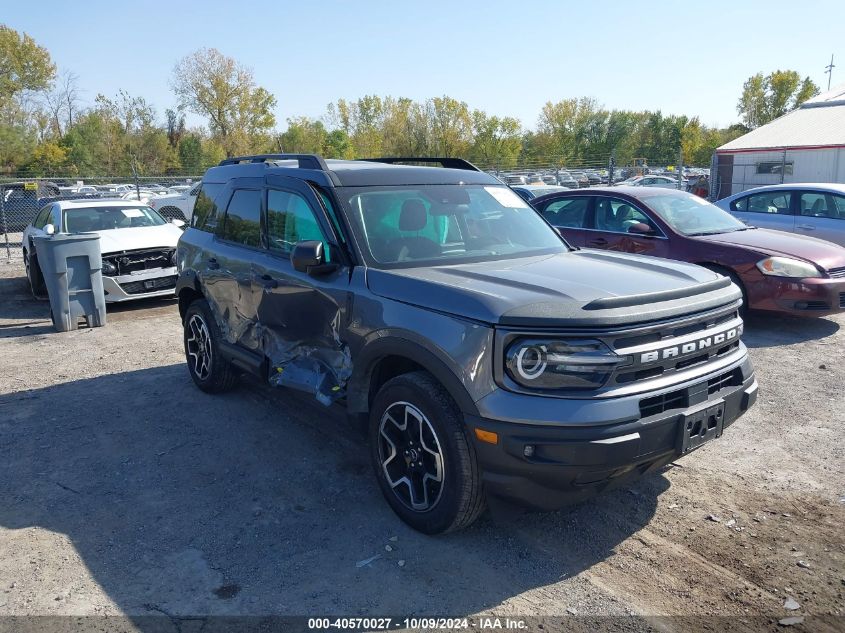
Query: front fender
430	358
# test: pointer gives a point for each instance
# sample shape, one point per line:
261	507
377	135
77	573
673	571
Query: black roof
350	173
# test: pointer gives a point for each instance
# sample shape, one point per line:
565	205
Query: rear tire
209	370
35	277
425	464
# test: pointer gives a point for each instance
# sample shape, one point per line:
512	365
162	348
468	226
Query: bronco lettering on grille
691	347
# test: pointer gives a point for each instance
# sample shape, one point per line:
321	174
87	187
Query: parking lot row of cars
23	200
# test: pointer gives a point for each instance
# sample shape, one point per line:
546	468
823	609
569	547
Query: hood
579	288
825	254
130	239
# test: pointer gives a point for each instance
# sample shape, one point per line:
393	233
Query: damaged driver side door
301	315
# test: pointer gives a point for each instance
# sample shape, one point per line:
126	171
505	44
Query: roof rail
444	161
305	161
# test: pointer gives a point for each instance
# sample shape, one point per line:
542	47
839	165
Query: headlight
109	269
786	267
173	258
550	364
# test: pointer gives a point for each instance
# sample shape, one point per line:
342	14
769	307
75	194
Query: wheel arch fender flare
187	285
429	358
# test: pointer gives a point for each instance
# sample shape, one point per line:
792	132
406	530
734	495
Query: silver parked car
812	209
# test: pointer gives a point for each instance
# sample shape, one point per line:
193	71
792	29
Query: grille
149	285
659	404
837	273
812	305
680	398
730	379
135	261
655	337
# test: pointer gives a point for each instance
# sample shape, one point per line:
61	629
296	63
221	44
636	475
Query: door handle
598	242
212	263
807	227
268	282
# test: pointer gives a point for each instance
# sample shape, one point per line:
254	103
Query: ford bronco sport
486	355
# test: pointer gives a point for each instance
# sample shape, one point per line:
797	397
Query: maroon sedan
776	271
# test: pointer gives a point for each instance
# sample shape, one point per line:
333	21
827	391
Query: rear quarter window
205	208
740	204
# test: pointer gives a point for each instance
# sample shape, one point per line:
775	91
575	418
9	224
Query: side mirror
640	228
177	223
308	257
49	229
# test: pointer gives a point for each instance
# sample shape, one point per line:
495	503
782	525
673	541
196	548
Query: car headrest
413	216
624	212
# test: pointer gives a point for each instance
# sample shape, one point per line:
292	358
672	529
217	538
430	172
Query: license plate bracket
701	426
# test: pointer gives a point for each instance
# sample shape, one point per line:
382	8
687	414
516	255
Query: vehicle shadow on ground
28	316
260	502
770	330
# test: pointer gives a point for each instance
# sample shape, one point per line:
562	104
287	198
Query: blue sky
506	57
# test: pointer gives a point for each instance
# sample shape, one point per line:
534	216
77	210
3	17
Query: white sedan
138	246
653	181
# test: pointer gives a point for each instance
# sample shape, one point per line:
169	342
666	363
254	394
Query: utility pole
829	71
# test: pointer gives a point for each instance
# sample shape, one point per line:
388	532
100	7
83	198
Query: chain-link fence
22	199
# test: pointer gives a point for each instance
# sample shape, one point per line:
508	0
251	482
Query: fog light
528	451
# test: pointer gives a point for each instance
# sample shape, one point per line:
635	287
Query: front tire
425	464
209	370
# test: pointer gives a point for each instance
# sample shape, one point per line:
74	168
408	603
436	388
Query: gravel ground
127	491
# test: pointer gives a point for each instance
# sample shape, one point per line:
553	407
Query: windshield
83	220
443	224
691	215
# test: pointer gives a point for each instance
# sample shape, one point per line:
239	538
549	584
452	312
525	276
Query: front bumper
801	297
157	282
570	462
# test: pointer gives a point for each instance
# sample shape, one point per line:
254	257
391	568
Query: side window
43	218
617	216
242	224
290	219
740	204
205	210
569	212
839	203
779	202
332	215
818	205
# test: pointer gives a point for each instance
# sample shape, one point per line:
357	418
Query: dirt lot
125	490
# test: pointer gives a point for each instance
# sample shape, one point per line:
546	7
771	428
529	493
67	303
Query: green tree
495	142
190	154
240	113
765	98
304	136
24	65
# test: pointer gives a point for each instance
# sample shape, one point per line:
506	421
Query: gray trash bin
72	269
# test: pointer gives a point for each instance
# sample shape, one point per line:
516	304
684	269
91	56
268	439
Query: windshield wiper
717	232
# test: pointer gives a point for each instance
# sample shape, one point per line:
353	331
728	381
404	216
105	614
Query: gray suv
484	354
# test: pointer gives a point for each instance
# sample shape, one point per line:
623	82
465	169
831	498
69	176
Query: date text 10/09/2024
373	624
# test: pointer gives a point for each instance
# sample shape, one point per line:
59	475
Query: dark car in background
21	203
565	179
581	178
776	271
